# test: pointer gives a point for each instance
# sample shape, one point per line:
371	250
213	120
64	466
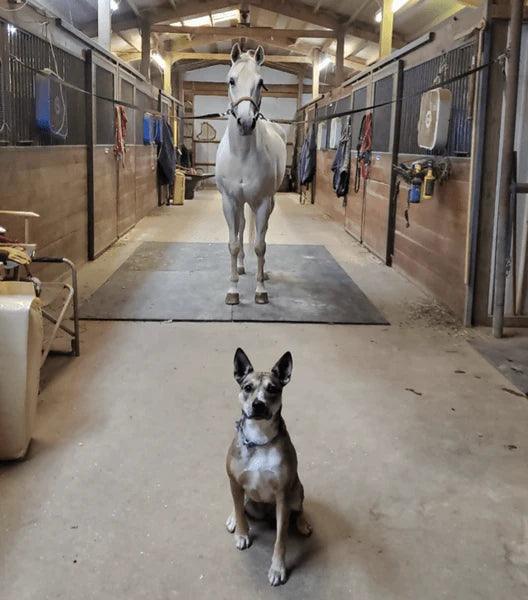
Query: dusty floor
413	456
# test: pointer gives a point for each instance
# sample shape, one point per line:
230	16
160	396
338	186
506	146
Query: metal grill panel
19	95
381	128
422	76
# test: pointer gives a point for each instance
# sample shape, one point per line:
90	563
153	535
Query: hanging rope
364	151
120	129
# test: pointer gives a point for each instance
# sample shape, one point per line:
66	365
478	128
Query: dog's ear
235	53
243	366
282	369
259	55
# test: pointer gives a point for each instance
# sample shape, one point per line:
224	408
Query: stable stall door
105	175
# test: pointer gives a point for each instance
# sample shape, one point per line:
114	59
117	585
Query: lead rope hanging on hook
364	148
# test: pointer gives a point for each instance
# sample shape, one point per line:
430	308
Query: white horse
250	166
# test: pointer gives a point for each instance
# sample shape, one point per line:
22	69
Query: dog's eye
231	81
272	389
248	388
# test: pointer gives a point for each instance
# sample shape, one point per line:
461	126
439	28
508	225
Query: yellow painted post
167	83
316	61
387	18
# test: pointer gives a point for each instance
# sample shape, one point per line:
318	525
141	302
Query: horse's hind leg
232	216
262	215
240	261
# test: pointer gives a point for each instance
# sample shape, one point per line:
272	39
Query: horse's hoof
261	297
241	270
232	298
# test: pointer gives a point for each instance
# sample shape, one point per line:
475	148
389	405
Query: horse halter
258	114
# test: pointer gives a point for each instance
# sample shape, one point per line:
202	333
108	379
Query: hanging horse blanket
308	157
167	155
341	164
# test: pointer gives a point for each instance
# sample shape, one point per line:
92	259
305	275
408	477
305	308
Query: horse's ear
235	53
259	55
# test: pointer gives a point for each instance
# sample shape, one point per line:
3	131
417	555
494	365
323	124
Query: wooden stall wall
367	211
432	250
51	181
126	192
105	199
146	180
325	196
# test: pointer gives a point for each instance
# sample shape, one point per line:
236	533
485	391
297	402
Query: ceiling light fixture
226	15
396	5
198	21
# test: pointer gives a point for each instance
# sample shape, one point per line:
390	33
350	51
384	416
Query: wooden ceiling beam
271	58
242	30
220	88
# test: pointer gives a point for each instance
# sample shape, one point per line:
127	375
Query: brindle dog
262	462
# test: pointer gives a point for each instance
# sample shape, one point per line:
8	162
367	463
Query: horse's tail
251	226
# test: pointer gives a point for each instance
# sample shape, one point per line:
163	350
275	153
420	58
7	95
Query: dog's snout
258	405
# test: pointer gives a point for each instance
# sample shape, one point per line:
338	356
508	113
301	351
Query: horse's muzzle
246	126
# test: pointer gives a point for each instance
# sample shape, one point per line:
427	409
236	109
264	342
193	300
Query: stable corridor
412	449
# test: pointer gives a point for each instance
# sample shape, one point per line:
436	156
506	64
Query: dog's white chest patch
262	474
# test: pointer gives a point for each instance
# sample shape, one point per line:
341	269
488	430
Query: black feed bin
189	188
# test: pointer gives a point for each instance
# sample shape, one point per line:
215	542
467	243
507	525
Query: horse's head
245	87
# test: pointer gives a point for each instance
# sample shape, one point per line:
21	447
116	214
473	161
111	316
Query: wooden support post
181	93
387	17
145	50
316	62
104	23
340	57
300	89
167	72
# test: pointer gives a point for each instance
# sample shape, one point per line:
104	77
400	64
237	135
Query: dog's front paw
231	523
242	541
277	573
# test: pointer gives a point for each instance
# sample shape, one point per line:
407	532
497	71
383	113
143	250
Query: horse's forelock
245	59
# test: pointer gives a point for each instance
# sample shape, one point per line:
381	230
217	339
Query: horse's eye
248	388
231	81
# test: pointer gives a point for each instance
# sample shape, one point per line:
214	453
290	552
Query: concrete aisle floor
412	453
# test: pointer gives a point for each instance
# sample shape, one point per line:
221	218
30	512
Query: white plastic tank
21	338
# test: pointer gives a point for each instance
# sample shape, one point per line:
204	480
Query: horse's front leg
240	261
262	215
232	216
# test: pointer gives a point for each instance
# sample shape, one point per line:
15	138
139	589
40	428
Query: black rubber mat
188	282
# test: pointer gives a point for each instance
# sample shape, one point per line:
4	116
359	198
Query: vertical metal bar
510	102
477	158
393	201
90	140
